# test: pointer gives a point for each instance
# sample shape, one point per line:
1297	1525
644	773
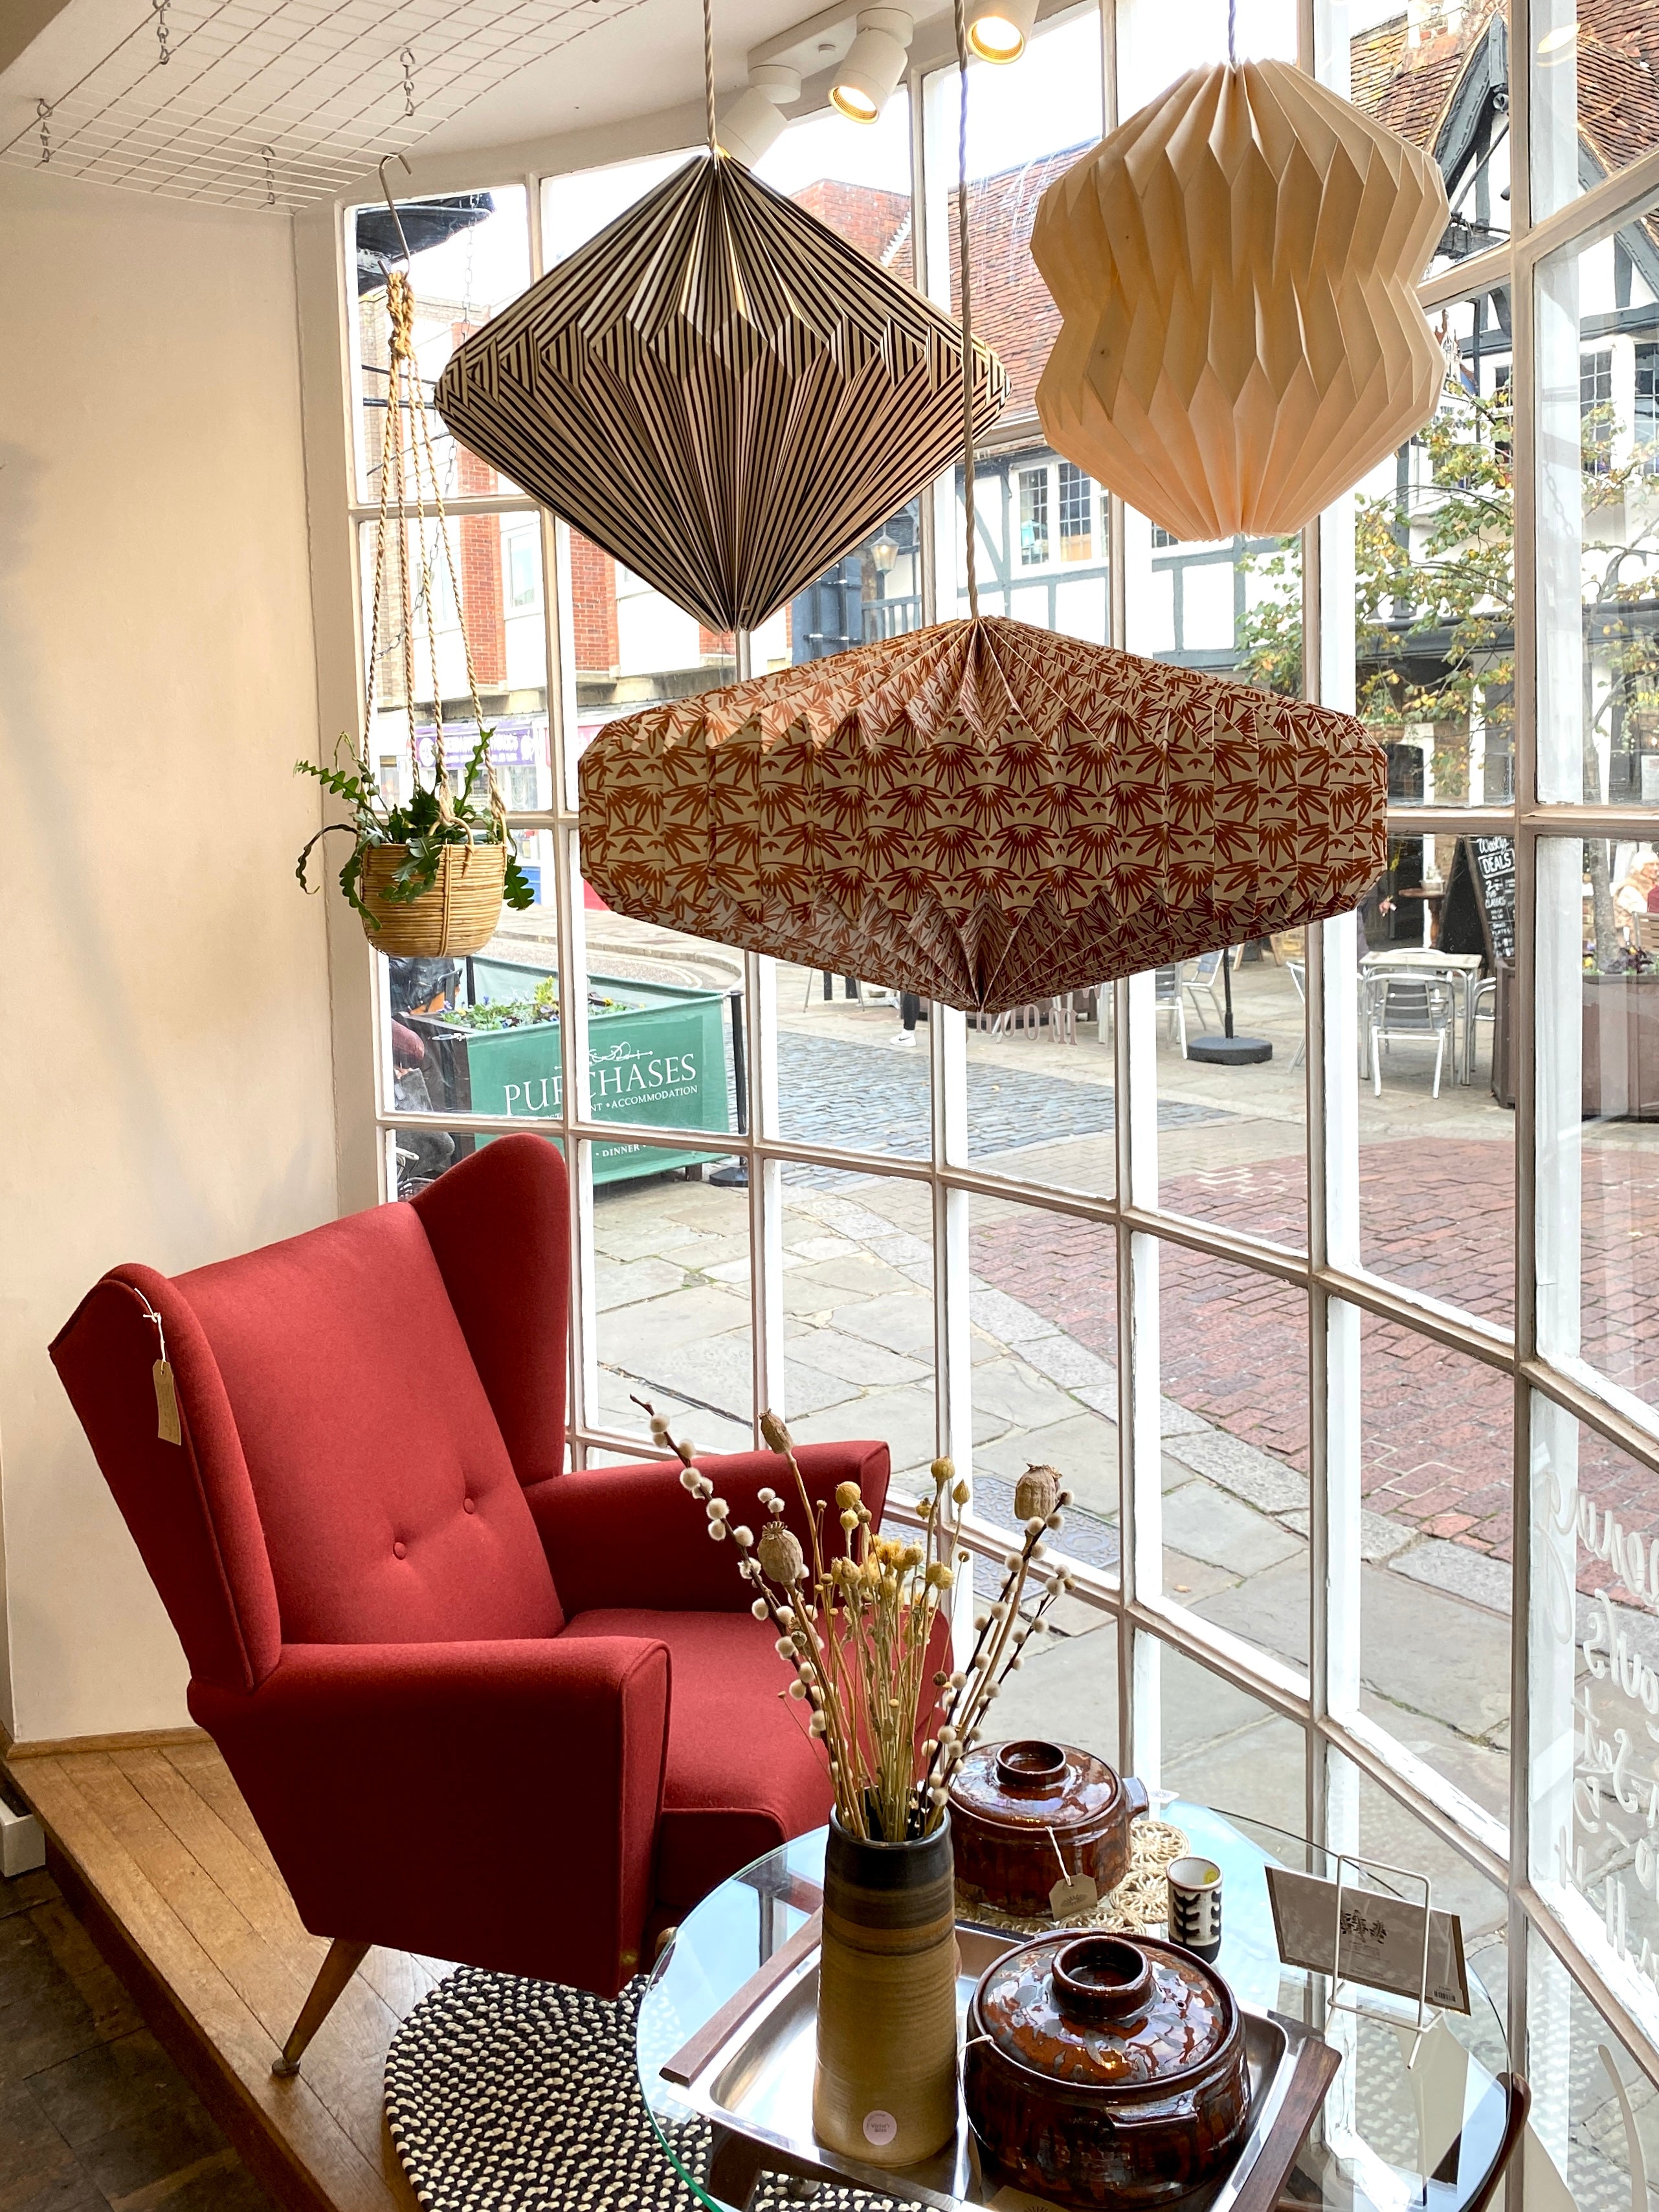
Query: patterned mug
1195	1906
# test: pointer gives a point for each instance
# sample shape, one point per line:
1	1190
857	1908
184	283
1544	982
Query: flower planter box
1621	1046
658	1059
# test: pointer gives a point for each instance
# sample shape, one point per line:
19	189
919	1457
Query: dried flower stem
856	1622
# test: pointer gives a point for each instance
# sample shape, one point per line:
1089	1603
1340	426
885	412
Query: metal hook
391	203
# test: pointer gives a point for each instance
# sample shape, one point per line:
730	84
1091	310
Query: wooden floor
159	1856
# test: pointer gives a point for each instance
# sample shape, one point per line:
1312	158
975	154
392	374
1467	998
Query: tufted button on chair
481	1708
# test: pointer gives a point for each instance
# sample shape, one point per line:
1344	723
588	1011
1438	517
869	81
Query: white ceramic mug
1195	1906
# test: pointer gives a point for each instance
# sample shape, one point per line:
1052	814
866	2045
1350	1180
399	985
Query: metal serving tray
750	2073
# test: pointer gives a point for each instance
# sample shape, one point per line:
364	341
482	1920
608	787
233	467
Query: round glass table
1411	2122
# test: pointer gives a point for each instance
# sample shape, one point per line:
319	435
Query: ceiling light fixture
869	76
752	126
998	29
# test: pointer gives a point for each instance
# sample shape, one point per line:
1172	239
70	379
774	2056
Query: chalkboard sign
1494	881
1478	913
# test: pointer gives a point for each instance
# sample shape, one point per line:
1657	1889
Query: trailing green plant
524	1013
424	823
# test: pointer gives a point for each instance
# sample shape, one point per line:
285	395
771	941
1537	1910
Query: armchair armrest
494	1803
631	1536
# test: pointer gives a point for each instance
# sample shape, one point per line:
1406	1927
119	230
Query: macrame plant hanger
468	893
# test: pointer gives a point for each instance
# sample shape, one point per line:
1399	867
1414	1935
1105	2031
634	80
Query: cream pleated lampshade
1235	269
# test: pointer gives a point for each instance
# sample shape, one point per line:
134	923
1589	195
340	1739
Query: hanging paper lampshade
719	392
1241	339
983	813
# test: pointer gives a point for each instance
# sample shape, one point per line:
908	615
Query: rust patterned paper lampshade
1235	269
719	392
982	812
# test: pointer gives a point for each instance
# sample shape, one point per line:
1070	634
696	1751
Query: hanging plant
427	875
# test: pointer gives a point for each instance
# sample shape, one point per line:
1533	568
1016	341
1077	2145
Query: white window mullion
765	1186
1139	1441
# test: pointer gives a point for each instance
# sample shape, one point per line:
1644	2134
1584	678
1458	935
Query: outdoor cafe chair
1483	1007
1299	973
1414	1007
1169	1000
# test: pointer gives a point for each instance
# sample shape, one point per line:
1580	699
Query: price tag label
1071	1898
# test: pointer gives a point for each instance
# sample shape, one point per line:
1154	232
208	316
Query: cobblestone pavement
875	1098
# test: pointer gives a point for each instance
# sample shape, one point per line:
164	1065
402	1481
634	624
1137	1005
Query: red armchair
403	1621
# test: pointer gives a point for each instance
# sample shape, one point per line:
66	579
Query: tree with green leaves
1434	562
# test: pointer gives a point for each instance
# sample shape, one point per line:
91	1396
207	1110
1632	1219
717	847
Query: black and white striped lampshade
719	392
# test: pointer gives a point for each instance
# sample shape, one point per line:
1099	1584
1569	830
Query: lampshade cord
708	68
967	312
1232	15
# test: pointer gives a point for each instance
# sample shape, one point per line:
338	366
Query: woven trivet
1141	1900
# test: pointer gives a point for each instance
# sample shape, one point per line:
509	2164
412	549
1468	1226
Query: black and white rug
506	2095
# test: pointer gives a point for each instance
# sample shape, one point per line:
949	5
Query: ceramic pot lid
1036	1784
1106	2012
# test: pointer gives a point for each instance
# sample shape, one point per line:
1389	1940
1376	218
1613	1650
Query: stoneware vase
885	2089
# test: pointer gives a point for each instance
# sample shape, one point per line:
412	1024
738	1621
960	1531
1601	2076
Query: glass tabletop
1409	2121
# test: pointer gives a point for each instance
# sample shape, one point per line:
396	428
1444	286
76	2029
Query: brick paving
1435	1425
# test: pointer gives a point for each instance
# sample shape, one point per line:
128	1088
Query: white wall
167	1086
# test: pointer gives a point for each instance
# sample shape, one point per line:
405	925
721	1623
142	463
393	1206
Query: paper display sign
1382	1938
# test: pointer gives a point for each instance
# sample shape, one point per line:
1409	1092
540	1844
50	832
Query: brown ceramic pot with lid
1023	1812
1105	2070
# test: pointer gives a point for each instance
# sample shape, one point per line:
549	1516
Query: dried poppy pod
1236	270
1037	1493
983	813
780	1556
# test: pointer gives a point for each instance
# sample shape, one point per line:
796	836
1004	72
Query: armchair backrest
360	1407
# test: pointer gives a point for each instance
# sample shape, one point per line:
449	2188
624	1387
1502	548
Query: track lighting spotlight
875	62
998	29
752	126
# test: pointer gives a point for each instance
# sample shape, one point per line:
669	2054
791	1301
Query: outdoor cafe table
1460	969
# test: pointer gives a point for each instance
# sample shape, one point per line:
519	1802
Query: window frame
1339	1289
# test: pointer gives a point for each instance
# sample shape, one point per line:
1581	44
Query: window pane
1044	1376
857	180
1598	518
1593	2111
858	1301
1597	1055
1066	1687
578	205
1440	78
1594	1671
1436	1489
1233	1372
672	1286
1045	1352
1435	1025
1594	111
491	574
1232	1141
1434	532
1040	541
471	257
633	648
1364	1817
1026	126
1040	1103
1226	1748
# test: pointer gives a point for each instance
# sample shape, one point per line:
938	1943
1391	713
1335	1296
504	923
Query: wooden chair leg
341	1963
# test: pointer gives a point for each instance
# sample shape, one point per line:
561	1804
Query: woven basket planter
460	913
